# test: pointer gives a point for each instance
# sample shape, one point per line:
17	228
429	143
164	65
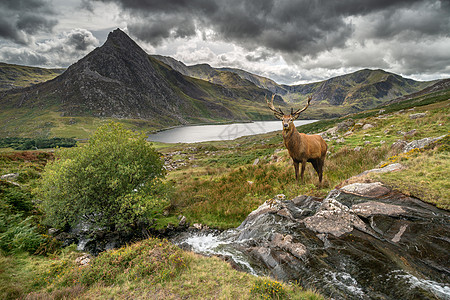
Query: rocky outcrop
363	241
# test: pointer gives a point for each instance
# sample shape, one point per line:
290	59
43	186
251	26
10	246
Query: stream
346	246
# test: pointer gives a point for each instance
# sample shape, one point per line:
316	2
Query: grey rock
182	221
367	126
372	190
421	143
333	218
372	208
399	145
345	125
10	176
83	260
347	246
410	133
389	168
53	231
417	116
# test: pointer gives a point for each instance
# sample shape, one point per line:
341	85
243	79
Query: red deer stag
301	147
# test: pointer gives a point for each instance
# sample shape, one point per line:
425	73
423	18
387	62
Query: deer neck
289	133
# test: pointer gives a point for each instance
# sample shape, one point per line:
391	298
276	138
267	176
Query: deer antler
297	112
278	114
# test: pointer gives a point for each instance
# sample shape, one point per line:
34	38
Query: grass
152	268
426	176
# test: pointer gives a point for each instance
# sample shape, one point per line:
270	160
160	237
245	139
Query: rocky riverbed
363	241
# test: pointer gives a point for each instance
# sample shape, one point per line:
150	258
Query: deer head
287	119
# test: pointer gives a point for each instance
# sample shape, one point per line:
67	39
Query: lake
204	133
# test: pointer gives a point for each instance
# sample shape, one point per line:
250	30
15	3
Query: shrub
268	289
111	182
154	259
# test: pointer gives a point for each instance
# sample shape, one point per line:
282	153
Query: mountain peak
122	42
117	34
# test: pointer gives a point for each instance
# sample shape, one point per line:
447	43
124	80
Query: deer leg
316	165
296	170
303	169
320	172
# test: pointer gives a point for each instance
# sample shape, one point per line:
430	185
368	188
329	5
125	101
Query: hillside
336	96
119	80
15	76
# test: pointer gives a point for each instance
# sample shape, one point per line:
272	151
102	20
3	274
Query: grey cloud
294	27
429	19
20	19
259	56
58	52
31	23
81	39
23	57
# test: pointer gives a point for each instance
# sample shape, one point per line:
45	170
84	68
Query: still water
203	133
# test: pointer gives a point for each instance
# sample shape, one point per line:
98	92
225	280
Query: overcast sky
289	41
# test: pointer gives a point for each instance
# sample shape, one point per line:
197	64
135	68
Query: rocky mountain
120	80
360	90
357	91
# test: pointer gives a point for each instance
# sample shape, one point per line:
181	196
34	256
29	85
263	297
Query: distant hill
353	92
16	76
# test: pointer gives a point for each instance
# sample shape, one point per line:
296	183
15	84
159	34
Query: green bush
155	259
112	182
268	289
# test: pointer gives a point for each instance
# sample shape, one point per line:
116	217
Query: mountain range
120	80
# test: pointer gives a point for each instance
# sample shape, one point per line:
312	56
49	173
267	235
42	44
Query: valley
119	81
385	186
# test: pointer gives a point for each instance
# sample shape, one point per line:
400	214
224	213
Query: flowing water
386	257
203	133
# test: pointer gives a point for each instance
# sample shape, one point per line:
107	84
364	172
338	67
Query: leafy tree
111	182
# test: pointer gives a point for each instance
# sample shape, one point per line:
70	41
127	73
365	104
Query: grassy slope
151	269
224	186
22	76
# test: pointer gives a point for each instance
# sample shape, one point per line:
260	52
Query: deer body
302	147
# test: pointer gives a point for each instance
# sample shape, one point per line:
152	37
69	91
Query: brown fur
304	148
